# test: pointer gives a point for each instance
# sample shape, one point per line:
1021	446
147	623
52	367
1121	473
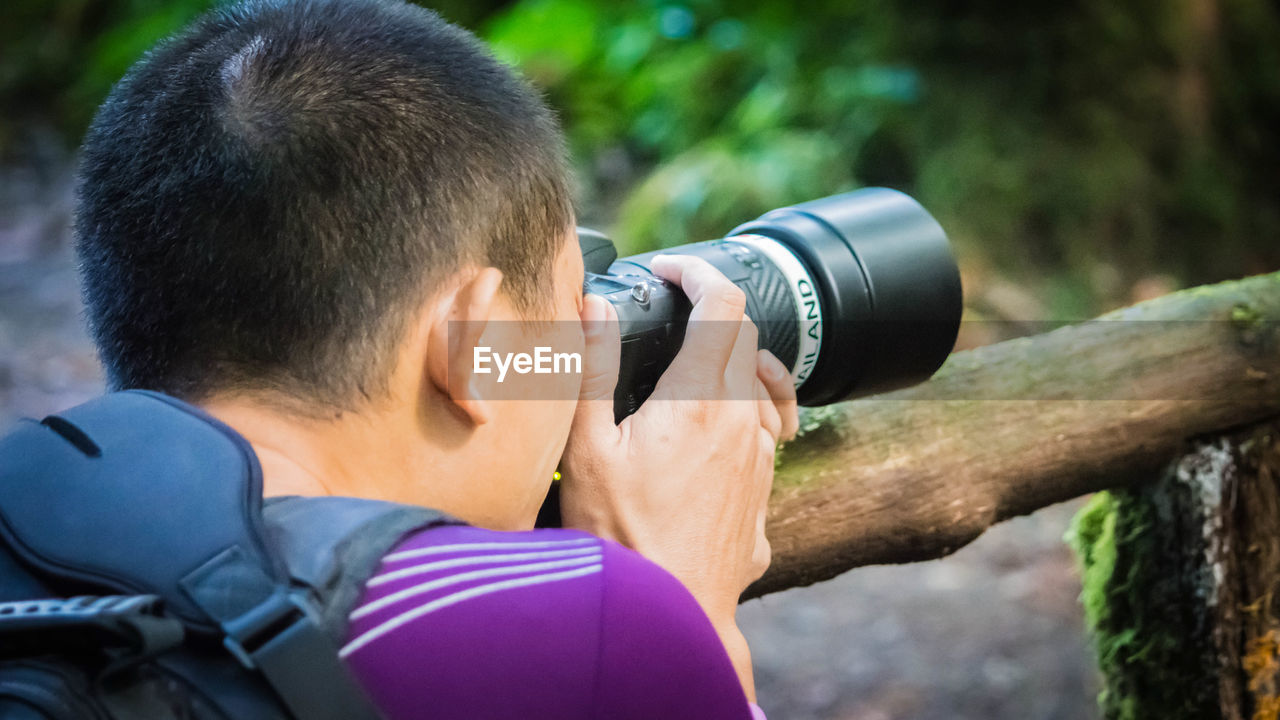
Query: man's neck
307	456
374	454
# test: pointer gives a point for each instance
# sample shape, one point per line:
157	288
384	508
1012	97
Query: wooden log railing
1009	428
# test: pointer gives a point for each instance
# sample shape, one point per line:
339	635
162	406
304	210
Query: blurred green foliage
1087	144
1078	146
61	57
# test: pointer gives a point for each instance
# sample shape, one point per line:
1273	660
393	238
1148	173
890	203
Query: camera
856	294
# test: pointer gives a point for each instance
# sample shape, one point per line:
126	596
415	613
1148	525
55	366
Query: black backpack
143	576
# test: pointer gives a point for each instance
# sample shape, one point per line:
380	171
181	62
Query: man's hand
685	481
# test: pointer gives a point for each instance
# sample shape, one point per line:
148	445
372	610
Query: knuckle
761	559
786	389
730	297
694	383
792	421
700	413
736	298
770	420
767	439
744	413
705	385
773	429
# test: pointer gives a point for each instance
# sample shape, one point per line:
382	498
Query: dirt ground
992	632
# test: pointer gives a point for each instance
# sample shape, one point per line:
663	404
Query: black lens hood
889	286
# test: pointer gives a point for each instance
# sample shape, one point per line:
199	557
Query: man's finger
740	374
770	419
782	392
714	320
762	553
600	358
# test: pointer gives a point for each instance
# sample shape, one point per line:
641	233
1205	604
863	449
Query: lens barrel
888	285
856	293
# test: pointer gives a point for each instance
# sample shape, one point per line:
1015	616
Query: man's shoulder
530	624
458	571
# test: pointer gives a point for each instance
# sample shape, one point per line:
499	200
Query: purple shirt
460	622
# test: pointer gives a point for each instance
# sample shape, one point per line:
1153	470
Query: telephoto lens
856	294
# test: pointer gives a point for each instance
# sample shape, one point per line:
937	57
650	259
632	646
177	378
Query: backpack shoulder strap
333	545
139	493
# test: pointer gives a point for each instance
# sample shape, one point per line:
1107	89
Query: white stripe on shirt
406	617
459	547
478	560
425	587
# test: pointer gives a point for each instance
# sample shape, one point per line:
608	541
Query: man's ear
455	332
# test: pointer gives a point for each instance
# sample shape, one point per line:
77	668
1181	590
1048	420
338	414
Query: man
305	217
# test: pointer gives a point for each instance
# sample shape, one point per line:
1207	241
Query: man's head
289	200
267	198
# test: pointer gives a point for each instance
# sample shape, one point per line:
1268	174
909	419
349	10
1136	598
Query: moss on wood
1181	584
1144	587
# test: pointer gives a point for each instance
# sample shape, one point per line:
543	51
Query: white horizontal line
426	587
455	598
479	560
460	547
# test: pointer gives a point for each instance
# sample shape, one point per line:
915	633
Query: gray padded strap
333	545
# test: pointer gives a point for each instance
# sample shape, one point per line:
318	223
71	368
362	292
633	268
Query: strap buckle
283	614
285	640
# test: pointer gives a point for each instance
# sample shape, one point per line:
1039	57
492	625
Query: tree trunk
1180	584
1009	428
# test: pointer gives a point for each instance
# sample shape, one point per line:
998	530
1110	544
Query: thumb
600	360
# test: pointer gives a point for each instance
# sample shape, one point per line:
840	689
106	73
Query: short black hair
266	198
